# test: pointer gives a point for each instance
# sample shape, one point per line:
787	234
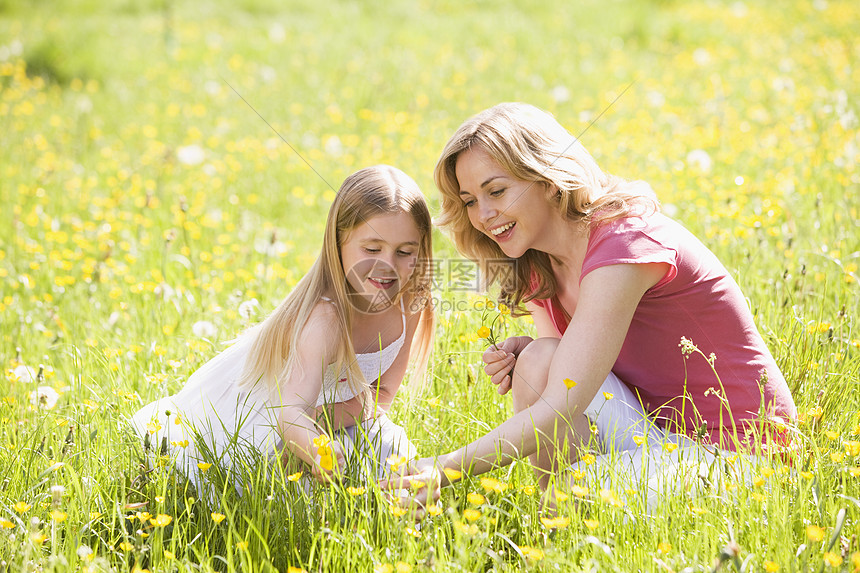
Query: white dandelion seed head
203	329
191	154
44	397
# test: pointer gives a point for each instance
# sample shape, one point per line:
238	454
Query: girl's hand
329	462
500	359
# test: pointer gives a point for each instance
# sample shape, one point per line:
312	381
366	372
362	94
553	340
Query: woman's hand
500	359
415	486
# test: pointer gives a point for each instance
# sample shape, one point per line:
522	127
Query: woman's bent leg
528	382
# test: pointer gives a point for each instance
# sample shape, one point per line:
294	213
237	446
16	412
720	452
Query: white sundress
212	409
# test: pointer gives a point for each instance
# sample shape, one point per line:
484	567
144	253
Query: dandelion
203	329
6	524
466	529
771	566
471	514
569	383
806	475
758	481
814	533
383	568
852	448
664	547
591	524
218	517
401	567
531	552
528	489
242	546
837	457
38	538
190	155
475	498
832	559
353	491
555	522
292	569
588	459
21	507
767	472
169	555
854	472
58	516
44	397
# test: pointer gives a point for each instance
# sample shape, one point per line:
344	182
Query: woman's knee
530	373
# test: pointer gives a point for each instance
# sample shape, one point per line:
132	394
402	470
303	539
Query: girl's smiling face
379	257
514	213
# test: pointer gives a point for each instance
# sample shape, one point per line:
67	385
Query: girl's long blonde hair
369	192
532	146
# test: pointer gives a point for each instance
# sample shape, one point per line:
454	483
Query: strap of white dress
372	365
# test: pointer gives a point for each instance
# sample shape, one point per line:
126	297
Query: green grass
97	99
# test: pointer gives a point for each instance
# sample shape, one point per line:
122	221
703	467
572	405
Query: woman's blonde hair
365	194
532	146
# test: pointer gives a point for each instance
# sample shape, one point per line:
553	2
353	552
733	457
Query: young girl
644	337
315	379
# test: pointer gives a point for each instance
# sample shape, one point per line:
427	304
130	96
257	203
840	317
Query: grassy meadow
152	215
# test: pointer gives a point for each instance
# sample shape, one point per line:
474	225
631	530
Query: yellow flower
664	547
483	332
413	532
161	520
417	484
471	514
355	490
153	427
401	567
434	510
204	466
490	484
58	515
569	383
21	506
639	440
670	447
758	481
579	491
855	472
578	475
218	517
383	568
321	441
852	448
292	569
6	524
531	552
560	496
475	498
555	522
814	532
698	510
38	538
242	545
831	435
588	459
609	497
591	523
126	546
395	461
837	457
326	462
832	559
767	472
503	309
396	510
528	489
142	516
806	475
467	529
295	477
771	567
169	555
607	395
452	475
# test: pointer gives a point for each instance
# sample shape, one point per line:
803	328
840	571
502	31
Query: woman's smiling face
512	212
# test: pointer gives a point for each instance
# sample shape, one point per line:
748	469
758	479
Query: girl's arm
587	351
299	393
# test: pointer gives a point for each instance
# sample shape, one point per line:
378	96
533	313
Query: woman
644	337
